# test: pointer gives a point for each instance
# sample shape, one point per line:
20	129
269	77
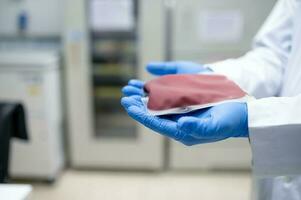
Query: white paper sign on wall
108	15
220	26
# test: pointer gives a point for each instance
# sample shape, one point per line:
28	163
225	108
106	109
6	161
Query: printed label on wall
220	26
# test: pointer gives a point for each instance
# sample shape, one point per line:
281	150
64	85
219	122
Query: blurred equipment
102	134
22	22
33	78
12	125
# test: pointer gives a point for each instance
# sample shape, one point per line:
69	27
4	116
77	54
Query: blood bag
176	94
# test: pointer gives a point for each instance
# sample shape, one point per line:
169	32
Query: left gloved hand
202	126
135	87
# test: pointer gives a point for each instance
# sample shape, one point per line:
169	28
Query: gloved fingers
205	112
165	127
201	128
189	140
198	113
131	101
161	68
136	83
132	90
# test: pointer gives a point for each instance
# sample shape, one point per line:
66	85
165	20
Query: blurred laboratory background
65	61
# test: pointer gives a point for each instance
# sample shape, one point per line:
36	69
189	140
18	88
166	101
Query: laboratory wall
207	31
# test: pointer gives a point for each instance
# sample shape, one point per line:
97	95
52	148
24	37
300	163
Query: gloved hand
135	87
166	126
179	67
202	126
222	121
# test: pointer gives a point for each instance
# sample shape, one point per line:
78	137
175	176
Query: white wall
45	17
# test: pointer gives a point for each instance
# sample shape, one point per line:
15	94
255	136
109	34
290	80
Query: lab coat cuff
275	148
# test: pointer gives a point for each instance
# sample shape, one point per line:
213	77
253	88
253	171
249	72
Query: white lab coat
272	73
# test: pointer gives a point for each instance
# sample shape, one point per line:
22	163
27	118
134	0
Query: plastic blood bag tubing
176	94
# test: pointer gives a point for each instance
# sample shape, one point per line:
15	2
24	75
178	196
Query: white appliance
33	78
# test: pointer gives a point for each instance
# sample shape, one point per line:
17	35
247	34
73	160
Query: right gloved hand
135	87
179	67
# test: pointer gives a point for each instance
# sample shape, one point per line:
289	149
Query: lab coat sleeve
275	135
260	71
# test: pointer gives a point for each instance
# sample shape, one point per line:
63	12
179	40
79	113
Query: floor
77	185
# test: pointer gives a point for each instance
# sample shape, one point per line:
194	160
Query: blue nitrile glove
166	126
135	87
177	67
202	126
221	121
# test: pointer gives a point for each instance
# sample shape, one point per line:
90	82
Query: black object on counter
12	124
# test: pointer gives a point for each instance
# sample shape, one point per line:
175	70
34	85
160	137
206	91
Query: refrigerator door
101	56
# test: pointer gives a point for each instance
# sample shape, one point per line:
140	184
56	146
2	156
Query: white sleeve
260	71
275	135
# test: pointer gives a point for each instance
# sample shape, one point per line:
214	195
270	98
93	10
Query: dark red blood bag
174	91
